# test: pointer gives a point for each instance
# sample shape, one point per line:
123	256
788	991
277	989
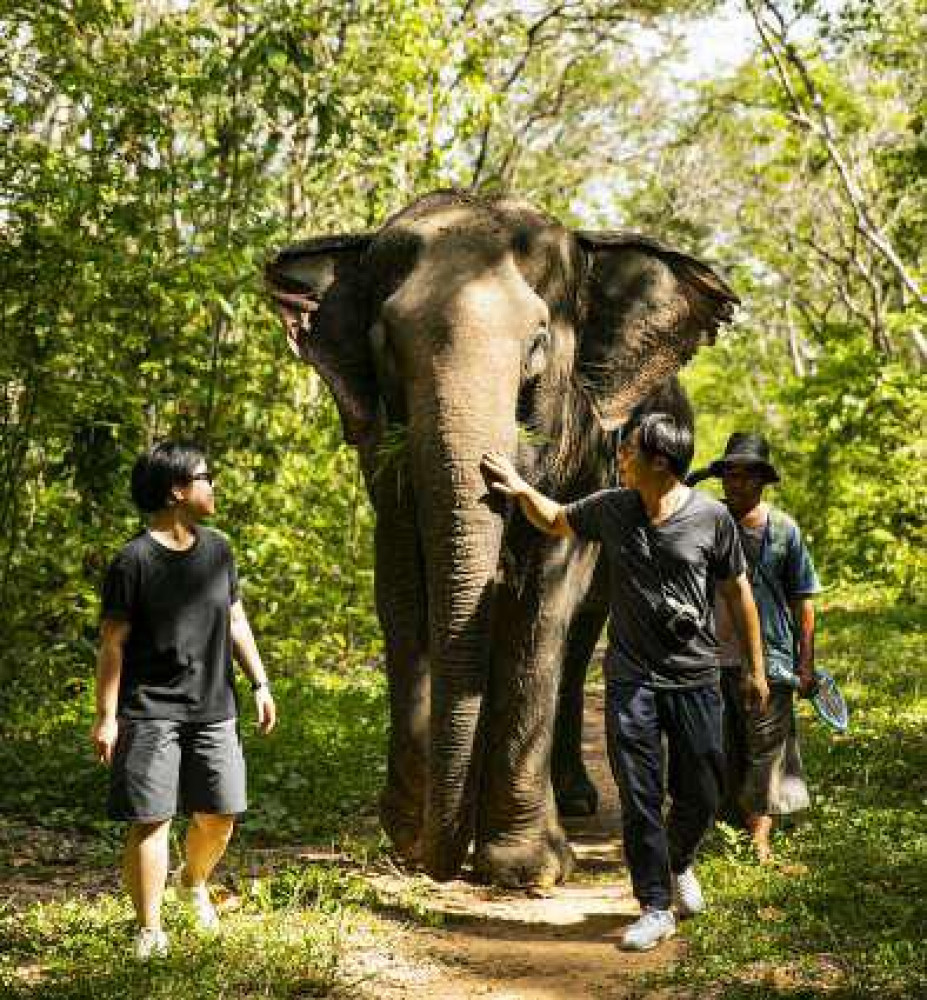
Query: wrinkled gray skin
480	325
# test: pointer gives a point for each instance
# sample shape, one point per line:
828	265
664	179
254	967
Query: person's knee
215	824
146	831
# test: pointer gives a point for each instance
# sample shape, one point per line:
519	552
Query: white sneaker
649	930
688	893
150	942
196	899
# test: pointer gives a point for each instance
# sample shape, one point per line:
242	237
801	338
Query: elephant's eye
536	359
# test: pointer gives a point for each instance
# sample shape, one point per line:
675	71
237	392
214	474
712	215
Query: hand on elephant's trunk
501	475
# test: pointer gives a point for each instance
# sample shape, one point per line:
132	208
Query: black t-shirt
694	547
177	662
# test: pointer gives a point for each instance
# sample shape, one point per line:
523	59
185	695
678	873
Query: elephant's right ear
320	288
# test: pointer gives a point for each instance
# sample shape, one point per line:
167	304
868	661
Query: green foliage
858	437
849	447
790	184
316	779
153	155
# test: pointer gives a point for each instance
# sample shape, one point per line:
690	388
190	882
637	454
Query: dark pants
735	742
637	718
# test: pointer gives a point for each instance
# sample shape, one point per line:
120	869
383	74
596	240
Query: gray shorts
162	767
764	768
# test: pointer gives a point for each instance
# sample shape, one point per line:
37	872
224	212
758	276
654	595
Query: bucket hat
741	449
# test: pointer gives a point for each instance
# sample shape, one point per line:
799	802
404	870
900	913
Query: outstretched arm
545	514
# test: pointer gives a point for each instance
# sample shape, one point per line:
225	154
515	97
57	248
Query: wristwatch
257	685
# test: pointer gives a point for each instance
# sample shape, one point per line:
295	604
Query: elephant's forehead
466	288
452	231
455	245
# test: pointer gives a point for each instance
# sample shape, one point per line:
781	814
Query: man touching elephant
468	324
666	547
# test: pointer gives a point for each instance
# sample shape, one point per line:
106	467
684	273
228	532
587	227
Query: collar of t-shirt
167	551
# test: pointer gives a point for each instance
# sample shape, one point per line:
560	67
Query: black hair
662	434
166	465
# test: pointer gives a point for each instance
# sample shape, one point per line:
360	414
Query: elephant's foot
576	795
539	862
404	831
445	853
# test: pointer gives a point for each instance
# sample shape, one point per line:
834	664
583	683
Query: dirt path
503	946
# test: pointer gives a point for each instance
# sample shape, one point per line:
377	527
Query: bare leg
207	838
760	828
145	864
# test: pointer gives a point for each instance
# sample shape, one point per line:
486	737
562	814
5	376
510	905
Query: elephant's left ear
647	309
320	289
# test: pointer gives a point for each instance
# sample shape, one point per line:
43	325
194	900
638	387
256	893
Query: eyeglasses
206	477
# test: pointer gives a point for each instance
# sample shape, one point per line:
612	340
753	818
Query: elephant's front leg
402	610
519	838
402	801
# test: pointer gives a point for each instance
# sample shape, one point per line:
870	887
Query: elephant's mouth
690	347
297	310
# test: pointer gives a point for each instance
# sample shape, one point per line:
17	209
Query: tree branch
815	119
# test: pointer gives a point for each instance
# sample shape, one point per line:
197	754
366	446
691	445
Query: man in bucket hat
764	769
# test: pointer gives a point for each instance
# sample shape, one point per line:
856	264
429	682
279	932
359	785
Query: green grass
842	915
286	940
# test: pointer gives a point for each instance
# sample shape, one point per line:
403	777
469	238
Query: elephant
466	324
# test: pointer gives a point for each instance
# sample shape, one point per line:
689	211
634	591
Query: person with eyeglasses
668	549
171	623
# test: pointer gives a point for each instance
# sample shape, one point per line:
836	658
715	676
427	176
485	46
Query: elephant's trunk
462	538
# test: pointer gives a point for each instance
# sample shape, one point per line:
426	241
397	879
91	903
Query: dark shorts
162	767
